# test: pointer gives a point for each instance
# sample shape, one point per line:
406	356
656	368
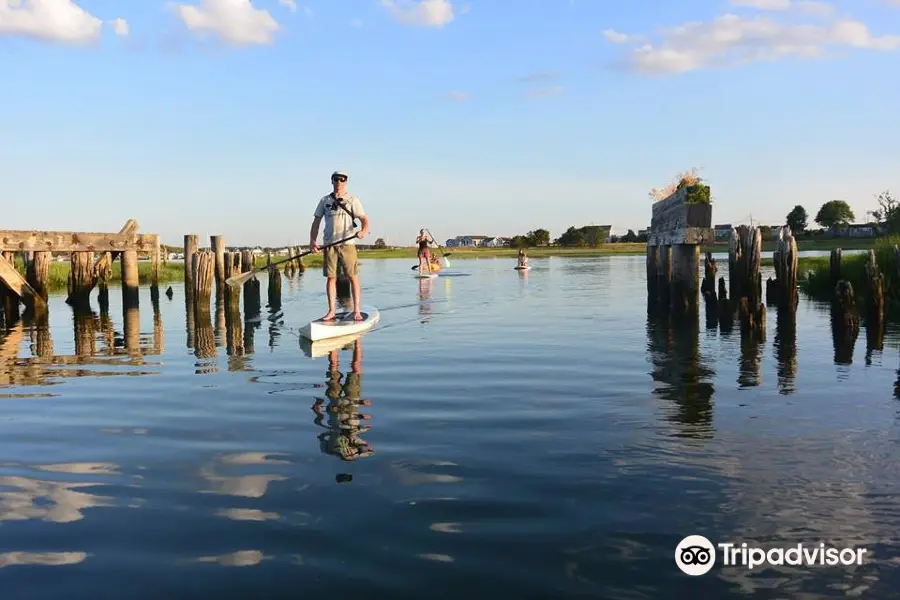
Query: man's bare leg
331	292
354	283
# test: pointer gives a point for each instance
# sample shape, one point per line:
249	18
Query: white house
496	242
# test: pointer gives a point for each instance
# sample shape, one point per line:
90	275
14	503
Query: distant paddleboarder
423	240
340	212
523	260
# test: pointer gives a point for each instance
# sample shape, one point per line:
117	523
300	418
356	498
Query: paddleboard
326	346
517	268
426	276
343	324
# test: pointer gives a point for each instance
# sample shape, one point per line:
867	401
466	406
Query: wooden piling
203	269
874	303
191	245
274	284
232	267
217	246
786	258
835	265
37	272
155	253
653	274
130	291
745	253
103	273
726	313
708	290
81	280
685	277
664	282
844	322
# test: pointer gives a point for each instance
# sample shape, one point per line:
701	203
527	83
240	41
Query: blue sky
225	116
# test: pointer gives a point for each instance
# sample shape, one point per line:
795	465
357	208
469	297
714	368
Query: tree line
837	213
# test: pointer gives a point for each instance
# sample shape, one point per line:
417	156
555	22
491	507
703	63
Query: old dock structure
677	229
91	256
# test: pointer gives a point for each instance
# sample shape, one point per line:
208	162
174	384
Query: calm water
529	435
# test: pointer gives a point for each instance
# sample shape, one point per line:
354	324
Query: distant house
496	242
467	241
855	230
723	231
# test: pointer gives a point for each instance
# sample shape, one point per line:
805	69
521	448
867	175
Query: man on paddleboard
340	212
423	240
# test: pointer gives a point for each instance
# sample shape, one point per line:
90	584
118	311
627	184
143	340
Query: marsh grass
817	271
59	273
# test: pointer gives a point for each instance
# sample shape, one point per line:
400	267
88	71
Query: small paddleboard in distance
343	324
426	276
517	268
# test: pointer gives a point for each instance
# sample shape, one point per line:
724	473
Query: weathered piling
874	304
835	266
203	273
130	295
844	322
679	224
782	291
232	267
726	313
745	253
274	283
81	279
155	255
37	272
191	245
708	290
103	273
217	246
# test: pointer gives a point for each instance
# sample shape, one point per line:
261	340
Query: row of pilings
672	273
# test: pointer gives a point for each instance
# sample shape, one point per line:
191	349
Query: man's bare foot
328	317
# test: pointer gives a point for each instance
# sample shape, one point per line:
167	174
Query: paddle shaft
247	275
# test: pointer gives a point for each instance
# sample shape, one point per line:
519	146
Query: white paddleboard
517	268
326	346
426	276
342	325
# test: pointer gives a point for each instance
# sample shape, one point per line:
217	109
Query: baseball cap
344	173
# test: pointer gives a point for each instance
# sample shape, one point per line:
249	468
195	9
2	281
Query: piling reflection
220	318
844	324
341	406
684	375
786	350
204	340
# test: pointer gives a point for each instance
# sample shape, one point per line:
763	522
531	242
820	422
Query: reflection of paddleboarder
343	436
424	297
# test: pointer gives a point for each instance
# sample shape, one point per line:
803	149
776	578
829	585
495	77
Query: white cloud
801	6
292	6
120	26
615	37
49	20
422	13
732	40
236	22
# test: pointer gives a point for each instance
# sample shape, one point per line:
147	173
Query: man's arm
314	231
360	214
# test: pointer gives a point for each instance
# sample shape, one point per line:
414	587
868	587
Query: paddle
235	280
444	256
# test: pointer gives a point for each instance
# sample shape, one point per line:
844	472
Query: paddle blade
236	280
446	262
414	267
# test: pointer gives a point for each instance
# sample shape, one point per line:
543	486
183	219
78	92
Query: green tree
835	212
797	219
629	237
571	237
380	243
888	213
519	241
539	237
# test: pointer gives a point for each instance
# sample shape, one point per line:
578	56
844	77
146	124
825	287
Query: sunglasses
341	178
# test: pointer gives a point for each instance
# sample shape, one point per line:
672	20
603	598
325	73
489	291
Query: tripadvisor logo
696	555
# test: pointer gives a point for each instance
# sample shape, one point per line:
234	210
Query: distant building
723	231
855	230
496	242
467	241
